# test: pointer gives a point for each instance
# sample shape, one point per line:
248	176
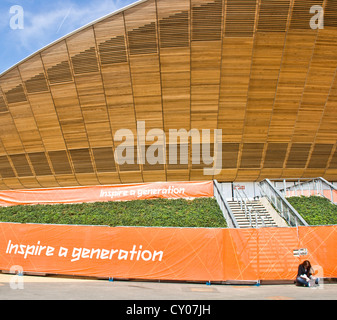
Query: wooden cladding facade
252	68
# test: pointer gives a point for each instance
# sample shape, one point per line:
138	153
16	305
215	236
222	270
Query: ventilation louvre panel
330	14
60	162
143	40
85	62
104	159
21	165
230	153
298	155
60	73
275	155
207	21
40	164
113	51
273	15
6	170
16	95
252	155
320	156
301	15
82	161
240	18
37	84
3	106
174	31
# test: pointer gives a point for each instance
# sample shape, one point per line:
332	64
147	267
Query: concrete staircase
264	218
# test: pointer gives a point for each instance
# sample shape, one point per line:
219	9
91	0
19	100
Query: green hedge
201	213
316	211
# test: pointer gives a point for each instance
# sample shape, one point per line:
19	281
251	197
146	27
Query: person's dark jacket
301	271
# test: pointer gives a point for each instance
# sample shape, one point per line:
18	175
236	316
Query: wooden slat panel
320	156
177	156
298	155
201	64
317	89
6	170
333	162
104	159
116	79
152	164
205	63
143	40
199	157
273	15
145	68
230	154
235	75
326	132
175	64
3	106
9	134
275	155
70	115
113	51
47	121
301	15
40	164
206	20
294	69
240	18
82	161
267	58
174	30
330	14
27	128
60	162
36	84
13	183
85	62
22	115
66	101
130	162
90	90
205	84
59	73
21	165
251	155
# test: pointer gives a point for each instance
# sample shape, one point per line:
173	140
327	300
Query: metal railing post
286	210
223	204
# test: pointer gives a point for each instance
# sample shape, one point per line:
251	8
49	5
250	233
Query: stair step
256	207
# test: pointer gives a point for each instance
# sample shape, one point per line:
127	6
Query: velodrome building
255	69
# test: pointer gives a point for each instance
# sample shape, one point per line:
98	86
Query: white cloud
63	17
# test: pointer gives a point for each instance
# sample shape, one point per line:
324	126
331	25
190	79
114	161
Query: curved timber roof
253	68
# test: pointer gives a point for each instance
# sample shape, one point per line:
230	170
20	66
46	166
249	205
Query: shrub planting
316	211
200	213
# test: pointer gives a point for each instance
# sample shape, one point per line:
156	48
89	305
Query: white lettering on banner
119	254
136	254
29	250
171	190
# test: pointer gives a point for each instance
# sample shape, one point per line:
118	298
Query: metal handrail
224	206
284	208
249	209
319	185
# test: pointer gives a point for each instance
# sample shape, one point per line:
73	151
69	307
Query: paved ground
47	288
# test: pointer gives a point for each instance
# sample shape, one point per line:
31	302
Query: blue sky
44	22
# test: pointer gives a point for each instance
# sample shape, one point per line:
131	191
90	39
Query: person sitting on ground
305	275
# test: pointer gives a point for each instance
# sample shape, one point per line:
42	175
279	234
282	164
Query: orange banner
168	253
167	190
136	253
